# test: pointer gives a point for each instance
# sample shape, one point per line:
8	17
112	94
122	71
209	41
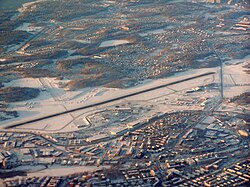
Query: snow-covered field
54	99
110	43
29	28
54	171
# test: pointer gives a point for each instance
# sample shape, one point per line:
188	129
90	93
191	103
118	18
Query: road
108	101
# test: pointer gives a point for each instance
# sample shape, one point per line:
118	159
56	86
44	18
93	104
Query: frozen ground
28	6
111	43
54	171
28	27
55	99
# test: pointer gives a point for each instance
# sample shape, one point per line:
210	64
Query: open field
55	102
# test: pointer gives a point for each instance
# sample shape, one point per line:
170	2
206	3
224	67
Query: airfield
59	110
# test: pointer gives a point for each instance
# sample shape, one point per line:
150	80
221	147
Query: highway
107	101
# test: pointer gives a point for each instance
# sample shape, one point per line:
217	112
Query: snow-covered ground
57	171
29	6
111	43
28	27
55	99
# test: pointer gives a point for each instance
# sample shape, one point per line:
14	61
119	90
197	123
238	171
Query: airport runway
107	101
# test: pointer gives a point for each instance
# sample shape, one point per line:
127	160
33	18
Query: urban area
125	93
